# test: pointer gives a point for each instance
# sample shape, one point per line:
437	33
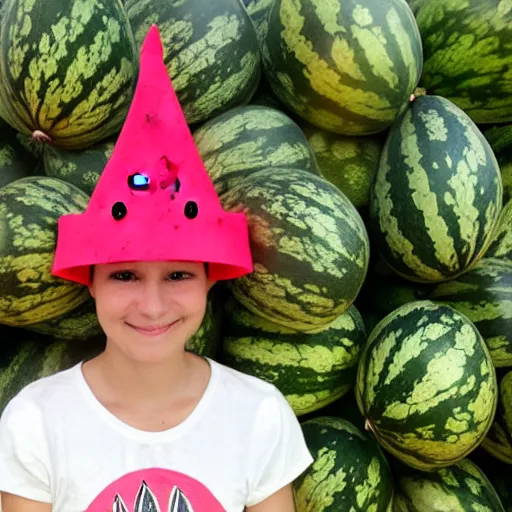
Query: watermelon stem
419	91
40	136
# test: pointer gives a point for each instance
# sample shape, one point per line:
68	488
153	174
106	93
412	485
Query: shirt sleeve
279	453
24	460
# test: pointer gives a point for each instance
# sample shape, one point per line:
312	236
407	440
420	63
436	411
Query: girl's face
149	310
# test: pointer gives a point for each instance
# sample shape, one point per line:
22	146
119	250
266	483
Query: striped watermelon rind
311	369
349	163
29	211
309	245
345	67
80	168
67	69
251	138
349	471
437	193
33	357
427	385
459	488
484	295
455	36
211	51
501	244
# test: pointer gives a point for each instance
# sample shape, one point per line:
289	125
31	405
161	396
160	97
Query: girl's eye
124	275
179	276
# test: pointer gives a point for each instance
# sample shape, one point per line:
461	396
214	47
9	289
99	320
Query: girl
147	426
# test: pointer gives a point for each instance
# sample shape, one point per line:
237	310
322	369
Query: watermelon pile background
370	143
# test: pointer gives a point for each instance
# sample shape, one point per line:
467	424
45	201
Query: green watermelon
29	211
258	11
347	162
207	340
346	67
462	487
501	246
467	56
80	168
426	385
309	245
15	161
437	193
484	295
67	69
500	139
27	358
311	369
349	472
248	139
500	476
79	324
211	51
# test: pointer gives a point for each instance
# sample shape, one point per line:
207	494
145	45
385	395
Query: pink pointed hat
155	200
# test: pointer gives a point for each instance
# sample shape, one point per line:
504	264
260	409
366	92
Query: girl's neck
128	381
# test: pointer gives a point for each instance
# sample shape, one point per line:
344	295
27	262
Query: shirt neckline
144	435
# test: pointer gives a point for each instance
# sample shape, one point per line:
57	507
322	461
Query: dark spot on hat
191	210
177	185
119	210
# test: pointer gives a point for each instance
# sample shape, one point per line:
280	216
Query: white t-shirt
59	445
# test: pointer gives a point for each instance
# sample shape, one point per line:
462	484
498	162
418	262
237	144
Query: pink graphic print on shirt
155	490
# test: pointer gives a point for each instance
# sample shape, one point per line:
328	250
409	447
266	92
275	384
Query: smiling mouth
153	331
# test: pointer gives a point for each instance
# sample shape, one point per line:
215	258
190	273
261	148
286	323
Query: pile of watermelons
370	143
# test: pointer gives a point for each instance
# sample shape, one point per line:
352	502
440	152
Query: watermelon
500	476
80	168
29	211
437	194
347	162
15	161
258	11
349	471
462	487
309	244
248	139
501	246
80	324
484	295
467	56
346	67
210	49
207	340
311	369
426	385
500	139
415	5
29	357
67	69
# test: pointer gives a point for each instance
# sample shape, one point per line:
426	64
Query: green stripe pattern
349	472
309	244
427	385
207	339
80	168
462	487
66	69
437	193
258	11
500	139
248	139
311	369
211	51
80	324
501	246
347	67
456	35
32	358
29	211
349	163
15	161
484	295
